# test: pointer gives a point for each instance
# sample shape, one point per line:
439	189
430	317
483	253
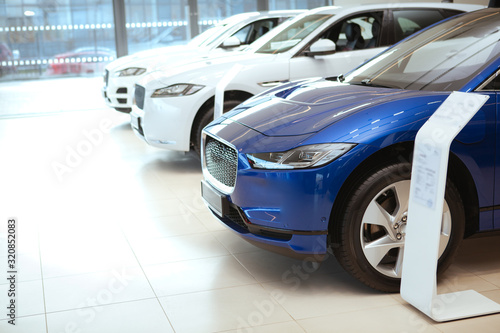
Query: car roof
255	15
336	10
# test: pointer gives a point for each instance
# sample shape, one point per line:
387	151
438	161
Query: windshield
442	58
293	34
208	36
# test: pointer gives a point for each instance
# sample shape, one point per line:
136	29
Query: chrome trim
208	177
488	81
269	84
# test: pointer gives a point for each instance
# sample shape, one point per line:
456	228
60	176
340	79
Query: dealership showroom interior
249	166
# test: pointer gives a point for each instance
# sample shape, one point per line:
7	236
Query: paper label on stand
426	162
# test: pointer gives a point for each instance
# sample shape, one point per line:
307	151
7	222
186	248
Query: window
46	39
442	58
407	22
356	32
493	83
152	23
292	34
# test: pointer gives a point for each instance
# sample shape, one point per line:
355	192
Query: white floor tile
197	275
223	309
209	221
163	250
233	243
382	319
160	227
156	208
266	266
28	298
103	288
458	279
336	294
288	327
129	317
30	324
71	256
28	267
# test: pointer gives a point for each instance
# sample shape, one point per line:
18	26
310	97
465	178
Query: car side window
243	33
357	32
409	21
494	84
249	33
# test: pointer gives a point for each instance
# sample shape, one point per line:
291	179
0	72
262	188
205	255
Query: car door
357	38
492	88
378	31
475	146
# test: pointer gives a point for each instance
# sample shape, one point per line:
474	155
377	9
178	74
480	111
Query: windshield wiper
368	82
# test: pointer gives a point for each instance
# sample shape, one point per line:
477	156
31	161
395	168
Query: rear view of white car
174	104
233	33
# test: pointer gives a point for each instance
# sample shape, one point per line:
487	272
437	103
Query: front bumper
287	211
304	245
118	92
166	122
136	122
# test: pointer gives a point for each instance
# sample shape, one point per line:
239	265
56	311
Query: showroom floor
113	237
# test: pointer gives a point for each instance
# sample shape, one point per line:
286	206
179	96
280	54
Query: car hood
150	57
309	107
200	69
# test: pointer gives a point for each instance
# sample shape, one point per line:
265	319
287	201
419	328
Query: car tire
205	119
376	204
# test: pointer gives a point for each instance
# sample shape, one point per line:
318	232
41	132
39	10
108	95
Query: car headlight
301	157
181	89
131	71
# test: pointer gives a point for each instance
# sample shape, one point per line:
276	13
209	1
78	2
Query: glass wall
41	38
156	23
53	38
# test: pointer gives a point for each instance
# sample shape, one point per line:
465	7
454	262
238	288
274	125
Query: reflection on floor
113	237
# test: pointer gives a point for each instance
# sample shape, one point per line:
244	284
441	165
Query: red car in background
6	56
84	60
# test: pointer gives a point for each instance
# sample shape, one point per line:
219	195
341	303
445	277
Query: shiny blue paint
321	111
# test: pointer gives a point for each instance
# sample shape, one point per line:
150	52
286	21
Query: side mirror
321	47
231	42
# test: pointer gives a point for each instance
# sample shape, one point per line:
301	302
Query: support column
193	18
262	5
119	18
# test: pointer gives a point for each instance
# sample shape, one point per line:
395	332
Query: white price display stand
221	87
427	188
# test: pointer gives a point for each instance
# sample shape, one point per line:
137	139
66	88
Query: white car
233	33
175	103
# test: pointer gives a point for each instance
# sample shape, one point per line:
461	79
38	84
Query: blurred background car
6	58
233	33
174	103
83	60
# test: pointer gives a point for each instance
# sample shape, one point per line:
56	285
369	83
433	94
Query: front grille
121	90
106	77
140	93
221	161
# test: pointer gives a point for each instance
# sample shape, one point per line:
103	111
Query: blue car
324	164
